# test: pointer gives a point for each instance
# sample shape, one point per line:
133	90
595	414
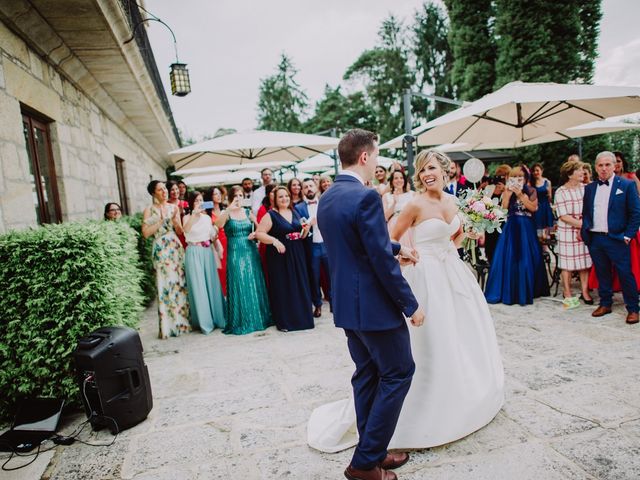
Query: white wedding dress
458	385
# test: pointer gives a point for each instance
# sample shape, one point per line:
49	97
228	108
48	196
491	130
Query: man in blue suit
308	209
370	302
610	219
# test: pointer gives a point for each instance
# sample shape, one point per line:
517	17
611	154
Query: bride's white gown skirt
458	385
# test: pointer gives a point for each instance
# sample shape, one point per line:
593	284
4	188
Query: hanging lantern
180	83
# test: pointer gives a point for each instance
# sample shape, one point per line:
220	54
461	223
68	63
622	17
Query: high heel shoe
587	302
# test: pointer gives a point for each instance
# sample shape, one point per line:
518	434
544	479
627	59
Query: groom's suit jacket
623	215
369	292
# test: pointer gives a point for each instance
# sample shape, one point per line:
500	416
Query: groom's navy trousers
384	368
369	298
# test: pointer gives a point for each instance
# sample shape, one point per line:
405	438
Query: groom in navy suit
610	219
370	299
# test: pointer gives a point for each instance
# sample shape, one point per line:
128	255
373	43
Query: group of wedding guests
597	239
209	269
250	258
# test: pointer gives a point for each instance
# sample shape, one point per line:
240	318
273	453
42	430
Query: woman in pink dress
218	195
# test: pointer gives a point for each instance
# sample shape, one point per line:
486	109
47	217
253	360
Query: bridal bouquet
480	214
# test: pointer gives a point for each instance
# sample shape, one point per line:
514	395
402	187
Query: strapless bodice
433	236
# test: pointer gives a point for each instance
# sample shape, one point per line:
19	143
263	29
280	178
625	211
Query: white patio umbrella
322	162
222	178
384	161
586	130
244	148
232	167
520	112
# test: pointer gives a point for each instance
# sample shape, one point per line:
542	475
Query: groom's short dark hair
353	143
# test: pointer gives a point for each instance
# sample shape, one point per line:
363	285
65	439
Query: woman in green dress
247	301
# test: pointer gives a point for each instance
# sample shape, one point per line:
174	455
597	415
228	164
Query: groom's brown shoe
601	311
376	473
394	460
632	318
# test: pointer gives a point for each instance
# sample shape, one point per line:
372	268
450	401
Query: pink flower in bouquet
490	216
478	206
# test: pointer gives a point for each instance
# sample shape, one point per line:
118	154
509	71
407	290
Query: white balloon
473	170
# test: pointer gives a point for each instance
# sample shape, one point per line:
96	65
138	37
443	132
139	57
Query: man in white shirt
318	255
247	191
258	194
610	219
454	187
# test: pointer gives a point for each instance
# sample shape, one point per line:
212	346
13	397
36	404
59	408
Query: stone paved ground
236	407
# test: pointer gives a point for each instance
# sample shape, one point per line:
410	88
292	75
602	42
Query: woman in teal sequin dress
247	301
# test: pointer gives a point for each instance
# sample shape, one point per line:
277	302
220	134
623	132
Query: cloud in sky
620	66
229	45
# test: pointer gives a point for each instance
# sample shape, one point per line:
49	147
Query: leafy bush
145	245
60	283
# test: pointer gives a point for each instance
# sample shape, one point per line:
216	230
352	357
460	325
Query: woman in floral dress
162	221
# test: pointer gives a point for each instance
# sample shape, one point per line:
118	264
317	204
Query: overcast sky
229	45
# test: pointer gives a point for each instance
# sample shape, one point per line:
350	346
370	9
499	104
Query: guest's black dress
289	291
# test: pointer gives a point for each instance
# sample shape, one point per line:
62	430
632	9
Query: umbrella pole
406	101
334	154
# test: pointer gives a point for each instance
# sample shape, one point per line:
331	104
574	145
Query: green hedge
61	282
145	245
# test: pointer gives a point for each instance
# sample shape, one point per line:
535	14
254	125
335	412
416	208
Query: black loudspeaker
113	378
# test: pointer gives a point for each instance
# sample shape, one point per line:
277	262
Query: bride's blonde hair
424	157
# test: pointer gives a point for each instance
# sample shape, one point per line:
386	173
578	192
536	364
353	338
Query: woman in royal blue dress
543	216
517	273
289	291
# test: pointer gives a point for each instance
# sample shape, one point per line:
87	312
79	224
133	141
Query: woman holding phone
283	231
203	253
517	273
247	301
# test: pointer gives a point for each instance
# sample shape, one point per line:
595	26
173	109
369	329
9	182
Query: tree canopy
465	52
282	103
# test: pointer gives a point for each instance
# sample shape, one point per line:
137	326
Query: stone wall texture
84	142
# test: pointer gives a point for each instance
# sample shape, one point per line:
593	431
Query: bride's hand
408	256
472	234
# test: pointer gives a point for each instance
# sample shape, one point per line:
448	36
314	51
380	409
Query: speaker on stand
113	378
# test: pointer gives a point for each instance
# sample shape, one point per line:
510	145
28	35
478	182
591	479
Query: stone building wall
84	142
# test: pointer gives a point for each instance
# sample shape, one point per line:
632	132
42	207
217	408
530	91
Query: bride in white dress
458	385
